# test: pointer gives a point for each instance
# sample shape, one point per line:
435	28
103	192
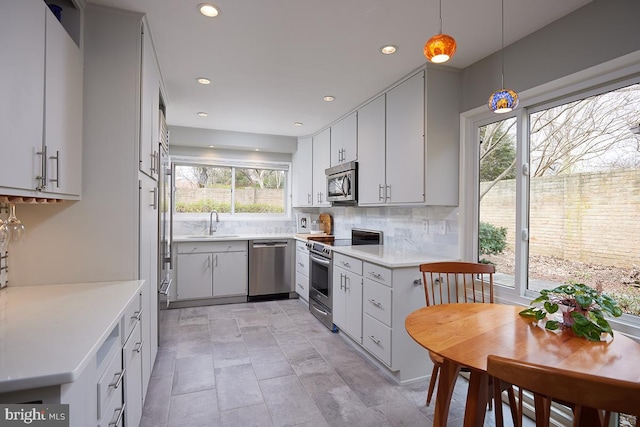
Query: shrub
492	239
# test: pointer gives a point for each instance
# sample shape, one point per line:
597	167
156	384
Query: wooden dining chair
591	398
454	282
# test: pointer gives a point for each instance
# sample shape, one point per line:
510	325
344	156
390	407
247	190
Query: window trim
598	79
287	215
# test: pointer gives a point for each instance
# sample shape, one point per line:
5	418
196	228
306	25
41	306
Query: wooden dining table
466	334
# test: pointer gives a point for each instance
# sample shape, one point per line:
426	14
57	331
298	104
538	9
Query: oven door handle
319	260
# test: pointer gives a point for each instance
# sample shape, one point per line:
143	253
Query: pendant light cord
502	50
441	16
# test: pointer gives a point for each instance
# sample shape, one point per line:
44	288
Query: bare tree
587	135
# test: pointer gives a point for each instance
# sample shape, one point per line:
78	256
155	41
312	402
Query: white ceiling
272	61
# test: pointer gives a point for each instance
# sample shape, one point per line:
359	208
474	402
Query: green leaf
540	299
579	318
540	315
584	301
550	307
528	312
552	325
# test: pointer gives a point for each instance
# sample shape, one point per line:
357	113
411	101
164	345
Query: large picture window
558	195
238	190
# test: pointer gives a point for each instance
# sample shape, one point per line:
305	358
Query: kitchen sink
211	236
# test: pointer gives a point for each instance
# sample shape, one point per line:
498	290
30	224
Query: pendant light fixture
441	47
503	100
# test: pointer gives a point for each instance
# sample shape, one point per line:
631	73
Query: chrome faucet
213	228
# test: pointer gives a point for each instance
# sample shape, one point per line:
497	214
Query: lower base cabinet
370	305
211	269
302	271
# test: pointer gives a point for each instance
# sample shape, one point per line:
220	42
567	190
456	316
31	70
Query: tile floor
273	364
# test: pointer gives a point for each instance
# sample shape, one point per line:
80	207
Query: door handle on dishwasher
270	245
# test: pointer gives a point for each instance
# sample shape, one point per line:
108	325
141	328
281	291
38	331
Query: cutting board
325	223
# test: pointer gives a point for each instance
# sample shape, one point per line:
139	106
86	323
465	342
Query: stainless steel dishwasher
270	269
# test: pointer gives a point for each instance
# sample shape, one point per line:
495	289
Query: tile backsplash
428	229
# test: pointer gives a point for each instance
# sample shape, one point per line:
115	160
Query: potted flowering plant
582	307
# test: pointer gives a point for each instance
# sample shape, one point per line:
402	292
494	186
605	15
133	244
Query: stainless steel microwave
342	183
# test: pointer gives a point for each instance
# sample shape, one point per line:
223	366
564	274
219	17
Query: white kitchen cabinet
195	279
41	107
230	274
302	270
391	146
347	295
133	350
63	111
148	267
371	152
405	142
302	167
321	161
150	100
344	140
211	269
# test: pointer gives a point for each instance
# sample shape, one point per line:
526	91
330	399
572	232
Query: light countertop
225	237
49	334
388	256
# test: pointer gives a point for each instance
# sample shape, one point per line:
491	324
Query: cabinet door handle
118	420
43	169
380	192
57	159
341	278
117	382
309	198
137	315
388	195
139	345
215	260
154	198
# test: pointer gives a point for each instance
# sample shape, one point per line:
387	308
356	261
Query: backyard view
229	190
582	191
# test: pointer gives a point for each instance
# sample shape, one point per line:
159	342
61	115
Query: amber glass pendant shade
440	48
503	101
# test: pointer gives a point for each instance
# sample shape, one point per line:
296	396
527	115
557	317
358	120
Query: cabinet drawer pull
300	286
417	282
118	420
117	382
139	345
374	302
376	275
301	264
346	264
372	338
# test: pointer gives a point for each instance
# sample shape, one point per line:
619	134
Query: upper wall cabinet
344	140
408	143
321	161
150	100
41	106
391	166
302	176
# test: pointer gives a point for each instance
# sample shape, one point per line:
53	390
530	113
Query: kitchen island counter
390	257
49	334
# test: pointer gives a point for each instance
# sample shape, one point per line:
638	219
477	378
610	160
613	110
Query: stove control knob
308	245
326	250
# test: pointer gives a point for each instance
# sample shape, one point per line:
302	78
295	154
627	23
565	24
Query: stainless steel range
321	272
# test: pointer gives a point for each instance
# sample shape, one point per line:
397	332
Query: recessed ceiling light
209	10
257	149
203	80
202	114
297	124
211	146
329	98
388	49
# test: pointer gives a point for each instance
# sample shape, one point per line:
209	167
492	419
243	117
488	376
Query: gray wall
598	32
